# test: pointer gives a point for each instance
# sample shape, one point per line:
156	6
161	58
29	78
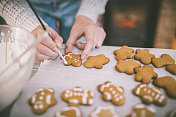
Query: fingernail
55	49
59	45
83	57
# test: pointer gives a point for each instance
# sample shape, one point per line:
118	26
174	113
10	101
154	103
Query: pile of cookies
44	98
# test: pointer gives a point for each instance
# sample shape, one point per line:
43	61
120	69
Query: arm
84	25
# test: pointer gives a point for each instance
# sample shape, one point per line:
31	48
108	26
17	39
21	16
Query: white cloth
18	13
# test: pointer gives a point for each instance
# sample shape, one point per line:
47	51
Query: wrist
84	19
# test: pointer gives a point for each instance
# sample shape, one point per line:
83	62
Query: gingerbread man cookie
171	68
145	74
104	111
127	66
96	61
163	61
78	96
144	56
123	53
42	100
140	110
112	93
167	83
72	59
150	94
69	112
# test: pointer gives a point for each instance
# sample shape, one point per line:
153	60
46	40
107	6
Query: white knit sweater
17	12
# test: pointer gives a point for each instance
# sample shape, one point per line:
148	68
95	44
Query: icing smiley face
42	100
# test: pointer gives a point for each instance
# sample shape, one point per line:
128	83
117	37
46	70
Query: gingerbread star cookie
123	53
150	94
77	96
145	74
144	56
96	61
140	110
171	68
112	93
163	61
168	83
72	59
42	100
69	112
127	66
104	111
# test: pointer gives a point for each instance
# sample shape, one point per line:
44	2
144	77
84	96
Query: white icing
157	96
77	89
75	93
113	92
161	99
103	86
139	106
74	101
40	89
84	98
42	93
91	94
51	90
116	95
41	97
41	106
145	89
111	89
33	98
149	91
48	99
121	97
90	101
117	99
157	90
35	106
139	88
66	95
108	95
153	93
148	97
70	94
120	89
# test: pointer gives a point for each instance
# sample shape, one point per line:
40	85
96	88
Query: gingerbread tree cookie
104	111
145	74
167	83
69	112
78	96
150	94
112	93
140	110
123	53
127	66
163	61
72	59
42	100
171	68
96	61
144	56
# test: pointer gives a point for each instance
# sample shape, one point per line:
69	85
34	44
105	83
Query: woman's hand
47	48
94	35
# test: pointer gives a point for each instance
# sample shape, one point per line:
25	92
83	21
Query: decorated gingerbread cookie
168	83
144	56
171	68
96	61
104	111
123	53
69	112
42	100
127	66
78	96
140	110
112	93
145	74
72	59
150	94
163	61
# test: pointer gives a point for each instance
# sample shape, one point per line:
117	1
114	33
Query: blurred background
139	23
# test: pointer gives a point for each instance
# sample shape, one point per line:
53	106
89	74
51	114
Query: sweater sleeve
92	8
18	13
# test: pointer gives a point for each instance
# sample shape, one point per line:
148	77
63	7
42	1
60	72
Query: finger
80	45
87	49
74	35
46	51
58	41
41	56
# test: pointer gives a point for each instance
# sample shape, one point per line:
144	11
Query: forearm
18	13
92	8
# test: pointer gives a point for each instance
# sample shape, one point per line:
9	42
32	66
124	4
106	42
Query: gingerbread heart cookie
163	61
123	53
96	61
127	66
42	100
144	56
150	94
78	96
69	112
140	110
112	93
72	59
104	111
145	74
168	83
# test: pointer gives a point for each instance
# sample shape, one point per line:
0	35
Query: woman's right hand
47	48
